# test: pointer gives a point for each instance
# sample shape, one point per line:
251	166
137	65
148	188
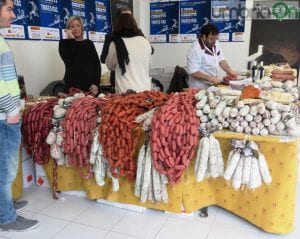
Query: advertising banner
164	22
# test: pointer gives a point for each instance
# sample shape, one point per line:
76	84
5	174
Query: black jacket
179	80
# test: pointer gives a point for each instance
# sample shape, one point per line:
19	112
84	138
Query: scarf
122	53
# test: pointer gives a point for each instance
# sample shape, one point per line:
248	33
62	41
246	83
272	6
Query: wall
40	63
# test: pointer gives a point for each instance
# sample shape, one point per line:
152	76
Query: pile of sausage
282	75
78	126
117	124
174	131
174	135
36	124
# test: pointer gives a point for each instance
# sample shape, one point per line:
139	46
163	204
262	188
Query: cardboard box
28	172
41	176
42	181
39	170
24	153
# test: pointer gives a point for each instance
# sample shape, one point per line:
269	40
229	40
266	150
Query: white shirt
136	76
201	58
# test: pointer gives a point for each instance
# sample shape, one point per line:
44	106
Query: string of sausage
174	135
117	124
78	125
36	124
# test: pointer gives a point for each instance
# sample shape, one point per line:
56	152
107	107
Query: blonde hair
73	18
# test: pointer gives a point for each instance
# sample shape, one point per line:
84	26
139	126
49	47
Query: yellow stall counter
271	208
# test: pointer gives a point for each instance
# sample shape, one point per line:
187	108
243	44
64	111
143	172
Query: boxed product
41	177
28	172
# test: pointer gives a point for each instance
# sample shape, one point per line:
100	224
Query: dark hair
122	10
209	29
125	23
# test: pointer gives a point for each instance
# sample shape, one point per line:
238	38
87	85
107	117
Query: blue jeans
10	139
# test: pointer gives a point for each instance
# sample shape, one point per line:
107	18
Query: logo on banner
281	10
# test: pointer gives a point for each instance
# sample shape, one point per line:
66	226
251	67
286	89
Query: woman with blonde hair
83	68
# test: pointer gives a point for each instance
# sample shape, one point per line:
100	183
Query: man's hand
205	77
13	119
232	75
229	77
215	80
94	90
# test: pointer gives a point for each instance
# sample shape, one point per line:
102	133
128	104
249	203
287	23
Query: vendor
83	68
203	59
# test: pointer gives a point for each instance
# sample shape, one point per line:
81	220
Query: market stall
271	207
234	147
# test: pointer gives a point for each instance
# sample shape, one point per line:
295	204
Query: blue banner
46	19
98	20
21	12
50	14
91	15
193	15
164	22
33	12
228	17
170	21
50	19
66	11
103	16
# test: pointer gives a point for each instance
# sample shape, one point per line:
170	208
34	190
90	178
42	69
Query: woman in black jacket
83	68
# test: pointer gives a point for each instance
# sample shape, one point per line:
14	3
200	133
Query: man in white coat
205	57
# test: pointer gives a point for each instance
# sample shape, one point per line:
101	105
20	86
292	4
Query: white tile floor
76	217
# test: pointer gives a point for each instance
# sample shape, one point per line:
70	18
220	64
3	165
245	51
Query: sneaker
21	224
20	205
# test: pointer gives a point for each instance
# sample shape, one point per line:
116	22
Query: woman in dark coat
83	68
